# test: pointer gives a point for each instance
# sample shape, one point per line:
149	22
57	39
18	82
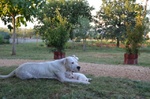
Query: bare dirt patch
118	71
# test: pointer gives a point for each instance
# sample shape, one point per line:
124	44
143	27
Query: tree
84	27
114	14
18	12
146	19
70	9
134	37
55	31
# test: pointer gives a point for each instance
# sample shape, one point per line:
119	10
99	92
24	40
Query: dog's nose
78	67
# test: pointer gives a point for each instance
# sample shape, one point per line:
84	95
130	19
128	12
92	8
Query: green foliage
18	12
24	32
55	31
1	39
100	87
10	9
70	9
114	14
84	27
134	37
4	37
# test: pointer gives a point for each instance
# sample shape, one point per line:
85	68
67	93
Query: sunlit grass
93	53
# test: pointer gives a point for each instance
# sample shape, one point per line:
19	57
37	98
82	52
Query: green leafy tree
55	31
18	12
114	14
134	36
70	9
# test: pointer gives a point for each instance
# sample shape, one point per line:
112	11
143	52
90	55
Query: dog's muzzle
78	67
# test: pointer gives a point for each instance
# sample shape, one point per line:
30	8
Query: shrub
4	38
1	39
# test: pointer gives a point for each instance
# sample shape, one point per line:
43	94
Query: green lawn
93	54
100	87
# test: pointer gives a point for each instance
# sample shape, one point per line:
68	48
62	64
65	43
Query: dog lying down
50	70
77	76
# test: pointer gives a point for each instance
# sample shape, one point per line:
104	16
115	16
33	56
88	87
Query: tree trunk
144	15
14	37
37	37
145	9
73	44
118	43
84	44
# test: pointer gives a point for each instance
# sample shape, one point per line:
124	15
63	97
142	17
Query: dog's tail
7	76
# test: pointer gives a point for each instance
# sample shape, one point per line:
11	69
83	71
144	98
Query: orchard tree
70	9
54	32
84	27
146	19
112	16
18	12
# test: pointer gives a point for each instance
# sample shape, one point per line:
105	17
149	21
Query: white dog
51	70
77	76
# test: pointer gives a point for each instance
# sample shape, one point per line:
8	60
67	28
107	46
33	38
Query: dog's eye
72	62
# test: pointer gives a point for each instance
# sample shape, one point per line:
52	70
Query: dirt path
118	71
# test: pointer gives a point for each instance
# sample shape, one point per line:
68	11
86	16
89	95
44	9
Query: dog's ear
75	57
64	61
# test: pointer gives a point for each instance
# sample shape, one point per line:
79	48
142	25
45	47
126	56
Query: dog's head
69	75
71	63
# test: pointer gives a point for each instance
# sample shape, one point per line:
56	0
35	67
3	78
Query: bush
1	39
4	38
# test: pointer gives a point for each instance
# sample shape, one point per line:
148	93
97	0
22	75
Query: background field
100	87
93	54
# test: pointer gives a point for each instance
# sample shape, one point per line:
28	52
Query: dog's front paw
86	82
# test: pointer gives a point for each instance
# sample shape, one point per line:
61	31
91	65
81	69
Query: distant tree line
20	32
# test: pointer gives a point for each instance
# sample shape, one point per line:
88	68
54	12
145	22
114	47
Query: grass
93	54
100	87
